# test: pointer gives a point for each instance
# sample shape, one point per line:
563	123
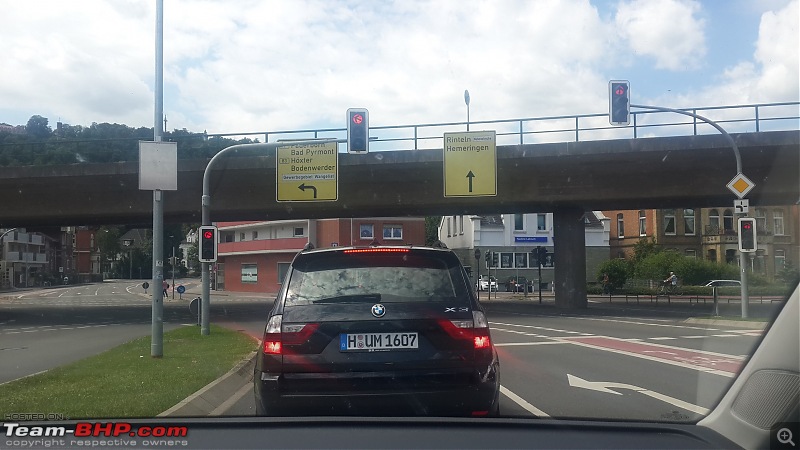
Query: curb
750	325
207	400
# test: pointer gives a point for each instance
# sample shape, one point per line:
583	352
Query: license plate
377	341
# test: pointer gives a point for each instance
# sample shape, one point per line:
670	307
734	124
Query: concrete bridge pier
569	242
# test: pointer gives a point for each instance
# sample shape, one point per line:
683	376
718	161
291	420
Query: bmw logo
378	310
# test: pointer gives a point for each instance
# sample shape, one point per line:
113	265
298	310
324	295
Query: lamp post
129	243
466	100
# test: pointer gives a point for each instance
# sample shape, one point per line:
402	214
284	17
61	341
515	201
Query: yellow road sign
740	185
307	172
470	164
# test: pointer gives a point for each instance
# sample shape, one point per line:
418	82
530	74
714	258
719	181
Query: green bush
618	271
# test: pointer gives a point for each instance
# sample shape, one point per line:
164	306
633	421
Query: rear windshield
372	277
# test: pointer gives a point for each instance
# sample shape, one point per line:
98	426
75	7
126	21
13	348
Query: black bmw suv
377	331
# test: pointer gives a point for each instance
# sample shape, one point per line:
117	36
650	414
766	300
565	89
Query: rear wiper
351	298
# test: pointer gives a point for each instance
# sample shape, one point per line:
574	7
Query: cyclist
671	282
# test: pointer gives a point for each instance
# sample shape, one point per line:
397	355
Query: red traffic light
208	234
358	119
620	90
747	225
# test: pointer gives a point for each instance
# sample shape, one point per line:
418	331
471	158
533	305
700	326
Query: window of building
255	235
283	267
620	226
711	255
393	232
777	221
780	258
669	221
249	273
688	222
449	233
519	222
521	260
761	220
727	220
299	231
642	224
541	222
690	253
241	237
506	260
713	222
366	230
461	220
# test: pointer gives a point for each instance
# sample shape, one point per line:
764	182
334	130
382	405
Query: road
626	361
45	328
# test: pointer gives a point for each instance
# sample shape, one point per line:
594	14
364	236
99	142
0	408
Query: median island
125	381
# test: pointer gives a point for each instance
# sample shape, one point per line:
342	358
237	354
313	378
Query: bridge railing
569	128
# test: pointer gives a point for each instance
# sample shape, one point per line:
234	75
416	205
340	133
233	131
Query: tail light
278	335
476	330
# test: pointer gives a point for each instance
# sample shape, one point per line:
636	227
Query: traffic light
495	259
208	244
357	130
747	235
619	102
539	255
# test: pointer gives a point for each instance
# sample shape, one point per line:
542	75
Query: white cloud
669	31
253	65
773	73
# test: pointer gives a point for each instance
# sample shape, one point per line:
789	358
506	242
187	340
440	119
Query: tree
37	127
618	271
644	248
432	229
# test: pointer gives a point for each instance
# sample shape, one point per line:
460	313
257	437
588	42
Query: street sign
307	172
741	206
181	289
740	185
470	164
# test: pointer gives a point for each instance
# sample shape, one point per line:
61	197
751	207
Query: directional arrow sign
470	164
605	386
303	188
307	172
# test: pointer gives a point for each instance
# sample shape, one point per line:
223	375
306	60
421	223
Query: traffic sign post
307	172
470	164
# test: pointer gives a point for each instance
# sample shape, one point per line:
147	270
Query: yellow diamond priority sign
740	185
470	164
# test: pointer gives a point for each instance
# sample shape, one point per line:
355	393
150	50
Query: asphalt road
45	328
614	360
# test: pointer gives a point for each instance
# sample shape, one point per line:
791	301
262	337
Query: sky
254	65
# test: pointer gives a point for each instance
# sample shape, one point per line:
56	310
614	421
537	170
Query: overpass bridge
565	178
657	172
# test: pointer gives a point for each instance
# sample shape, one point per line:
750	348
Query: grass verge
125	381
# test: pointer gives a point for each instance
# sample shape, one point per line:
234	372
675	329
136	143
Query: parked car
377	331
723	283
485	283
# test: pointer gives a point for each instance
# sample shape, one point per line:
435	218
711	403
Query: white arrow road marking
603	386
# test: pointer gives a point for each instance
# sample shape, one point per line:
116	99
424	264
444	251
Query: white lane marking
521	402
604	386
665	338
224	406
661	360
694	337
725	335
95	292
536	328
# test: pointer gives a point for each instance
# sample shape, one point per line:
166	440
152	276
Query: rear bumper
441	393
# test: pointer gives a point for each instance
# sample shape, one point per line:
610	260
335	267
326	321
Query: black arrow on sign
303	188
470	175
